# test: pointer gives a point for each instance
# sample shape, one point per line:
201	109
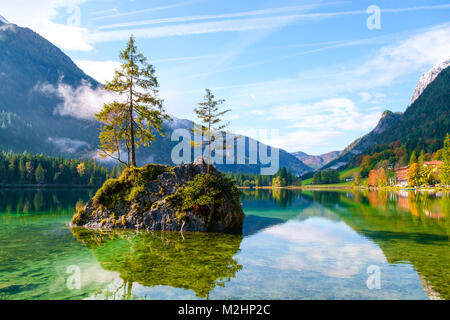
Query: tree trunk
209	141
133	154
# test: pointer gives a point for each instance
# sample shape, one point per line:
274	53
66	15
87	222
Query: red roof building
402	173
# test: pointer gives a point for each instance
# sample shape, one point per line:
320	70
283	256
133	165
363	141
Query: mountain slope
388	119
316	162
425	121
28	114
27	61
428	118
428	78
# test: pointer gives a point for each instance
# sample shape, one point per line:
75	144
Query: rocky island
156	197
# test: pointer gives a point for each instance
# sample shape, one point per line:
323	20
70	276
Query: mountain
28	61
316	162
425	122
428	78
3	20
358	146
37	80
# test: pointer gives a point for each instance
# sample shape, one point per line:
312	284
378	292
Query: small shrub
202	193
128	186
80	213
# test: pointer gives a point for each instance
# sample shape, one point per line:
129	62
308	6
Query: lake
295	245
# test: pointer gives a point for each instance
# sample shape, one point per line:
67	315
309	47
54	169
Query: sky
301	75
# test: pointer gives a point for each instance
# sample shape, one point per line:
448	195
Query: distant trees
40	174
356	179
131	122
444	174
372	180
327	176
413	158
26	168
382	178
283	178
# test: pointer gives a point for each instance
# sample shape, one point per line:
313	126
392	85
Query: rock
155	197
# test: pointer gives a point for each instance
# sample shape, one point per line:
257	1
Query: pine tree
40	174
130	123
444	172
421	158
210	116
414	175
413	158
382	178
357	179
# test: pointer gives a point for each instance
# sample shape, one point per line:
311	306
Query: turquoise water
295	245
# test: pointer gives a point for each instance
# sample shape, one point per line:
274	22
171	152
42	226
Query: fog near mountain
47	105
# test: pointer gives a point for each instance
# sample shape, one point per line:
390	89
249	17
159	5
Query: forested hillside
38	169
422	127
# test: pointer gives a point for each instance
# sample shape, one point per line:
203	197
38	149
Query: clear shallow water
295	245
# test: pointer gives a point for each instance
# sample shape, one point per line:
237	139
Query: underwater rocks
156	197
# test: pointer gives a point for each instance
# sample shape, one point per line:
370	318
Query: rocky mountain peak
429	77
3	20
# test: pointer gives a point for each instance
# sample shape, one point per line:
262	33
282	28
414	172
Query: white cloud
129	13
68	145
304	139
81	102
39	16
270	22
339	252
421	50
99	70
415	54
209	17
337	113
194	28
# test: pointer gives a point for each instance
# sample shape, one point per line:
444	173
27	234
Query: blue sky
310	74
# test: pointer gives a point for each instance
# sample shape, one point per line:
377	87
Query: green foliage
356	179
131	124
128	186
413	158
26	168
210	117
80	213
40	174
414	177
204	192
286	179
328	176
444	174
277	182
427	121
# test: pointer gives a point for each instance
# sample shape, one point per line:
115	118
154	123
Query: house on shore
402	176
403	172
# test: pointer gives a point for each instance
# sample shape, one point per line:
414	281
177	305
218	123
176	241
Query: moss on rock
156	197
130	185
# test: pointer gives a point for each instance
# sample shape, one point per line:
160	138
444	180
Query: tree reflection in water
195	261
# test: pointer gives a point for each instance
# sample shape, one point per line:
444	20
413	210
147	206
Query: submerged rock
156	197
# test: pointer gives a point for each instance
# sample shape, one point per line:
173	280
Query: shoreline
47	186
346	187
